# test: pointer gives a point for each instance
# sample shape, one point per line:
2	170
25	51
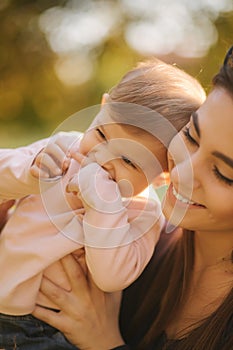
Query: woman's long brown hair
153	300
156	297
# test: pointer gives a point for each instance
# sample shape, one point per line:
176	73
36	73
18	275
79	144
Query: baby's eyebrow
196	123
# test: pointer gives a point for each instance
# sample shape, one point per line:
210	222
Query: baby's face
133	160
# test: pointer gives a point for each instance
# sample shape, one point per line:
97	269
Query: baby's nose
102	155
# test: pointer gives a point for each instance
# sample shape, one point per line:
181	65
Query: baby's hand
72	185
54	159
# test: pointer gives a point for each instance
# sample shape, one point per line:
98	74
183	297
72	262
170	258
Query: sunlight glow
71	29
74	70
185	28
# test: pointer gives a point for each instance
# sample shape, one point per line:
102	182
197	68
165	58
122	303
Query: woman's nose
184	165
186	174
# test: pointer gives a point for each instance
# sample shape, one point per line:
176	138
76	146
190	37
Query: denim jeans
29	333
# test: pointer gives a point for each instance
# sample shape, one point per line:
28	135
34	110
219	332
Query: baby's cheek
141	184
86	143
126	188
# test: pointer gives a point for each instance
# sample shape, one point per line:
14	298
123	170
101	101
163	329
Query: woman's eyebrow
196	123
224	158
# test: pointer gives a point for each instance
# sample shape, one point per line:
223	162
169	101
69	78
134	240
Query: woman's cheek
220	203
170	161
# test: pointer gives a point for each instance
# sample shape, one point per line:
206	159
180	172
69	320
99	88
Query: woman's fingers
78	282
88	316
75	272
72	303
81	282
55	319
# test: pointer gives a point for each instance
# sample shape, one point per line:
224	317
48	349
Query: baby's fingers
79	157
72	185
47	164
58	155
37	172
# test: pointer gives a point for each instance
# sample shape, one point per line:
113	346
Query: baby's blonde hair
160	87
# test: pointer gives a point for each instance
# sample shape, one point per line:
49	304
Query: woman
184	298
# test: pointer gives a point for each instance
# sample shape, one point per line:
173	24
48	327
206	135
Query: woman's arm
88	316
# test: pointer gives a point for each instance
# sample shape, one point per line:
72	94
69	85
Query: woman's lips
183	199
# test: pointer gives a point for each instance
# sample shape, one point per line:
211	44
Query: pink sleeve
16	180
22	260
120	236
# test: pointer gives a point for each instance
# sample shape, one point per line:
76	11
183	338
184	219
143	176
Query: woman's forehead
216	110
215	120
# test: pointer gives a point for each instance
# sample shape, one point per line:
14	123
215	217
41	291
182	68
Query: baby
81	193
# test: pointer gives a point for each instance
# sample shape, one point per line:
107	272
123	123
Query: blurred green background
59	57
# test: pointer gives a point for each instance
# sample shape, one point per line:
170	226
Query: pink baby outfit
118	235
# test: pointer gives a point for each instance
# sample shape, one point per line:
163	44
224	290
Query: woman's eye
101	134
127	161
221	177
189	137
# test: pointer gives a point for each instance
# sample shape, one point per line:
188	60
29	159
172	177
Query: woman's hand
88	316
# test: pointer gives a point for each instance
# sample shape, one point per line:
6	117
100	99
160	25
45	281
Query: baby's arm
119	241
19	176
16	180
115	268
4	208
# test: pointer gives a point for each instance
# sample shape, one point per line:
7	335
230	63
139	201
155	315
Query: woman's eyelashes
128	162
221	177
217	173
186	133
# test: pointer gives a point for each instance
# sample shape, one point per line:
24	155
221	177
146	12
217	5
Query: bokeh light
60	56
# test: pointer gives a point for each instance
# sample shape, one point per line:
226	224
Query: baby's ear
104	99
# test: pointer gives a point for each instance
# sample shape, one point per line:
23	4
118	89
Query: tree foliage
33	100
